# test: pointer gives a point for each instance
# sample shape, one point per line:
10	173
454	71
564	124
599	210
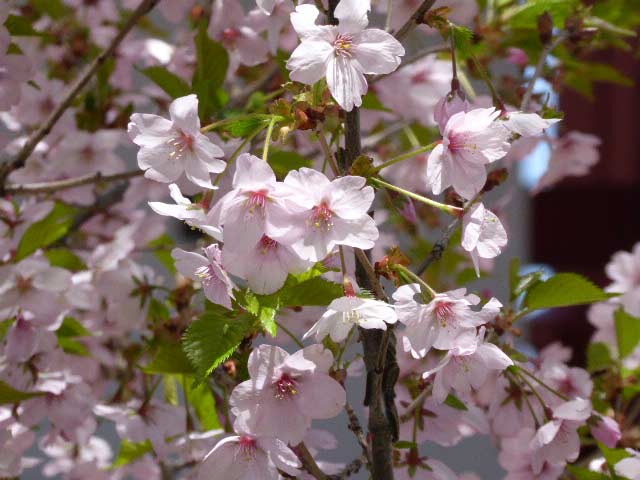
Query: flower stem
412	276
291	335
550	389
406	156
267	140
455	211
237	152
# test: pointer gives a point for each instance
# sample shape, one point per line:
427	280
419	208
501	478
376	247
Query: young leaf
213	338
202	400
264	308
9	395
65	258
627	332
130	452
455	402
283	162
43	233
581	473
169	358
598	357
563	290
172	84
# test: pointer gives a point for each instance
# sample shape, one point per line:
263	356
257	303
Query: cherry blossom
253	207
329	213
346	312
444	323
207	270
605	429
629	467
171	147
248	457
193	214
470	141
265	266
286	392
342	54
483	235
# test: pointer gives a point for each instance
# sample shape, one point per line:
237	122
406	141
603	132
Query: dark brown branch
351	469
415	19
35	138
54	186
309	463
439	247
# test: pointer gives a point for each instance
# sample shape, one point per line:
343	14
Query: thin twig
328	154
351	469
371	274
356	428
439	247
415	404
54	186
309	462
35	138
415	19
526	98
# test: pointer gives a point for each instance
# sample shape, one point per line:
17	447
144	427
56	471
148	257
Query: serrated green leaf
213	338
313	292
9	395
170	385
627	332
282	162
43	233
172	84
203	402
462	36
455	402
211	69
245	126
264	308
65	258
130	452
598	357
563	290
169	358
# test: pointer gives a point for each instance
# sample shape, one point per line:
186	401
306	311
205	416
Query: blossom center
322	217
458	141
23	284
267	244
257	201
247	447
180	143
285	387
342	45
444	312
206	274
230	35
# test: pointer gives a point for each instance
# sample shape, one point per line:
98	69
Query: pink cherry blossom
605	429
229	25
342	54
558	441
516	457
470	141
444	323
483	235
272	16
193	214
573	155
170	148
517	56
208	270
346	312
253	208
286	392
331	213
249	457
465	368
266	266
624	270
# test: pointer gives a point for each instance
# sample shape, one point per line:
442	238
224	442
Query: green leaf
162	247
455	402
54	8
245	126
371	102
283	162
462	36
213	338
73	347
172	84
627	331
264	308
170	384
43	233
598	357
564	290
313	292
65	258
204	404
21	27
210	72
581	473
602	24
72	328
5	325
169	358
613	456
130	452
9	395
526	14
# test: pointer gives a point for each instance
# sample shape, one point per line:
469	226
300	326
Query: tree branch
309	462
415	19
526	98
54	186
35	138
351	469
